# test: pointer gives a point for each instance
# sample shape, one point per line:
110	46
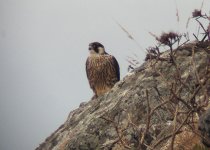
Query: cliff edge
156	106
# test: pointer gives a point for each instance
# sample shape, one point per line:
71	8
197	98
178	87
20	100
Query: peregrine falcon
102	69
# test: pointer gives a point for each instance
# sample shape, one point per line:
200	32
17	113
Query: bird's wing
116	66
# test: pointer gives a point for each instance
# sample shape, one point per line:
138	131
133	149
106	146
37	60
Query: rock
204	127
120	119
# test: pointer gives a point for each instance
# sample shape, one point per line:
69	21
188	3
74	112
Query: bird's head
96	48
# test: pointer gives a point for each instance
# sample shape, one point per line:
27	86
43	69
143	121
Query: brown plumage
102	69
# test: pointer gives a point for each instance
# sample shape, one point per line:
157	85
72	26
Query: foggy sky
44	46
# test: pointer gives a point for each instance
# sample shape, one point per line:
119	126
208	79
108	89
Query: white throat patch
101	50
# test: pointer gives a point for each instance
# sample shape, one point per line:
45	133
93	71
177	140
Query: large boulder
155	106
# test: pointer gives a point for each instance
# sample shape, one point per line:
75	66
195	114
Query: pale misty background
44	46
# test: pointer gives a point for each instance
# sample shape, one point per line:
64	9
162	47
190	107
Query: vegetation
185	111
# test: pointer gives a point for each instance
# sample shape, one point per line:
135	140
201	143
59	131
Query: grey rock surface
117	120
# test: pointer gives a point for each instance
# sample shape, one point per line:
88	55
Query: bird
102	69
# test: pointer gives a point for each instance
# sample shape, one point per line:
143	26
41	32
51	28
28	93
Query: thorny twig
148	118
174	130
120	136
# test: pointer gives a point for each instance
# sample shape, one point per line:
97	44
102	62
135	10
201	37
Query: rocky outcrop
154	107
